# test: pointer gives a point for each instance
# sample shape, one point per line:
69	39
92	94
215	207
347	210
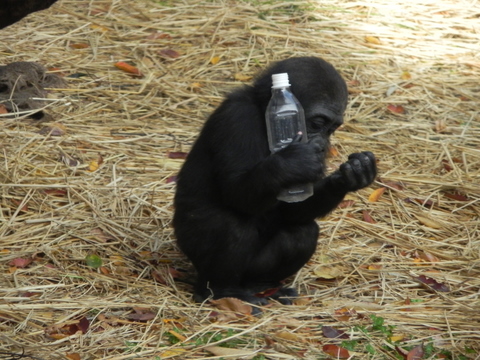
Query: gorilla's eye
318	123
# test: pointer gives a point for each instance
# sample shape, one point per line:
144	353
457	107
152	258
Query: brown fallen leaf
233	305
432	283
346	204
177	155
73	356
169	53
128	68
367	217
68	160
242	77
416	353
21	262
287	335
376	194
54	129
231	353
336	351
456	196
426	256
332	333
157	35
79	45
396	109
424	220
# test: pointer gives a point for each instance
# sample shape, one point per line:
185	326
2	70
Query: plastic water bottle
285	121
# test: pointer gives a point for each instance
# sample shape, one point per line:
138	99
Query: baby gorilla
228	221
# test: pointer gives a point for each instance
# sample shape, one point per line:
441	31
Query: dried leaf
426	256
140	315
396	109
332	333
173	353
54	129
83	325
169	53
424	220
215	60
93	166
395	338
24	207
232	304
177	155
286	335
328	272
128	68
425	203
346	204
267	293
56	192
367	217
446	165
373	40
229	352
101	235
73	356
20	262
455	196
332	151
196	86
177	335
416	353
68	160
157	35
3	109
391	90
336	351
242	77
79	45
171	179
434	284
376	194
99	28
345	314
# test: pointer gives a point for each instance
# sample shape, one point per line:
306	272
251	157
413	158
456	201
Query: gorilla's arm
358	172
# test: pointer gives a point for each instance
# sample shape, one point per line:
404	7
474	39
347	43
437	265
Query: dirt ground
397	270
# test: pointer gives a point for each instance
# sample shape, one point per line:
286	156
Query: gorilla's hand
358	172
300	163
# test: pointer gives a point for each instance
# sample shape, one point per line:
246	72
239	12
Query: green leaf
93	261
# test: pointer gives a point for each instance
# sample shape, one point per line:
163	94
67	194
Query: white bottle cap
280	81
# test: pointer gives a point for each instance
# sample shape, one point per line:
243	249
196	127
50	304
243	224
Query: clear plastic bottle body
285	119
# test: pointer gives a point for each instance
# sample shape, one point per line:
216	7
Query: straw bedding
94	176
